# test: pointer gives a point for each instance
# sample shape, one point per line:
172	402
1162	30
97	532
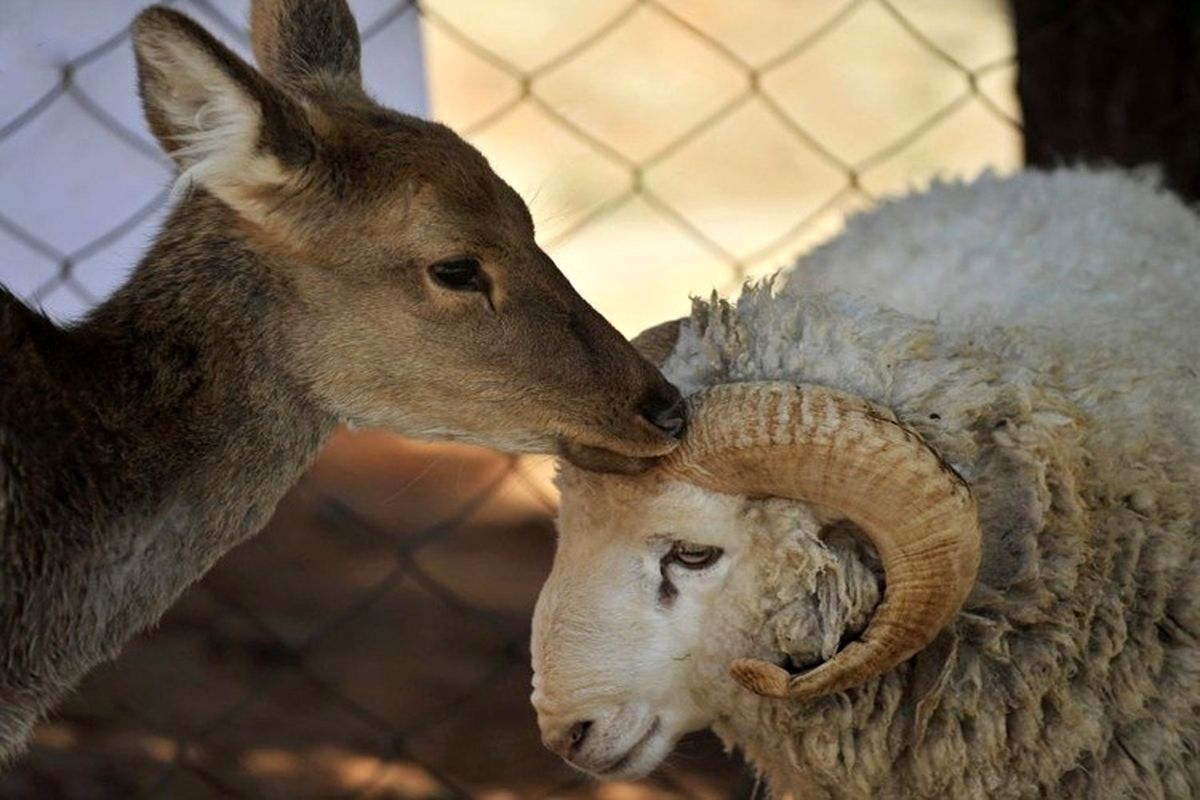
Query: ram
953	458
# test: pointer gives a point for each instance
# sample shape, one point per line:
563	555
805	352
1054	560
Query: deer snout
667	414
652	425
661	412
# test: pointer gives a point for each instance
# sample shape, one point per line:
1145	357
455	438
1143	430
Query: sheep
1040	333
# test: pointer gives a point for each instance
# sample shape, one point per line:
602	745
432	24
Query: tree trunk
1112	81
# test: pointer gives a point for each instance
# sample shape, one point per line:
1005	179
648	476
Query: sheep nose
568	742
670	419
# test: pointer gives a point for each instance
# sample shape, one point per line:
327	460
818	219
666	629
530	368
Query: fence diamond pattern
291	633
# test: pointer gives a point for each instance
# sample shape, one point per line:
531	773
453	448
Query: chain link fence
373	641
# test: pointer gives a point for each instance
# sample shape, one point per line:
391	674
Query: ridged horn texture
853	458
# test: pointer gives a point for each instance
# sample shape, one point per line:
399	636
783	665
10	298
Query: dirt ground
371	643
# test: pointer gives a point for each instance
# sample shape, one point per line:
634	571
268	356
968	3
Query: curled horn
818	446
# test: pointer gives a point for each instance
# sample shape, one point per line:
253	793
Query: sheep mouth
622	762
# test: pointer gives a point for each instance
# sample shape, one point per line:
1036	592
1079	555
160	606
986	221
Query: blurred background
372	643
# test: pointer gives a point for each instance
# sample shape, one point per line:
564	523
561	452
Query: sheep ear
656	344
226	126
307	46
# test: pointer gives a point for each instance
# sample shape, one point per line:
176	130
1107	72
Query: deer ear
307	46
229	129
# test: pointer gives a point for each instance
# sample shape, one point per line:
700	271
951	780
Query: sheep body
1041	332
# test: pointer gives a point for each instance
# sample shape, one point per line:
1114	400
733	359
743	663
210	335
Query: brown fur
289	291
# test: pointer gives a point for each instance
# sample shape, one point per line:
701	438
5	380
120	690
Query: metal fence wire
373	642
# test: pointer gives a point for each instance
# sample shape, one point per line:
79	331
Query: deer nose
568	742
669	419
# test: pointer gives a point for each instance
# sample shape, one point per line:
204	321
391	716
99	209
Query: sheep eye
691	556
460	274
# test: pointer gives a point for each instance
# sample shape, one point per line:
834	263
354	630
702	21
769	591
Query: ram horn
853	458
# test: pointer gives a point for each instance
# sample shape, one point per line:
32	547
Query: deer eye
693	556
460	275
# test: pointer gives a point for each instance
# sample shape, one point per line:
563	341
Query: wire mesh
372	643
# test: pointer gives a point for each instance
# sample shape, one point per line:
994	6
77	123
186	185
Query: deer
328	262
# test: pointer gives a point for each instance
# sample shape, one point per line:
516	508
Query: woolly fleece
1042	331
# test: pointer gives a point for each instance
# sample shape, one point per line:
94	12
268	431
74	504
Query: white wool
1035	249
1112	288
1042	332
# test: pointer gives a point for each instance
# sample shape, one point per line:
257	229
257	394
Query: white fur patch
215	121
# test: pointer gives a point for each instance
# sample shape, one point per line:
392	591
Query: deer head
416	298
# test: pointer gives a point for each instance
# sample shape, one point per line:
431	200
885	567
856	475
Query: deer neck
189	363
139	445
